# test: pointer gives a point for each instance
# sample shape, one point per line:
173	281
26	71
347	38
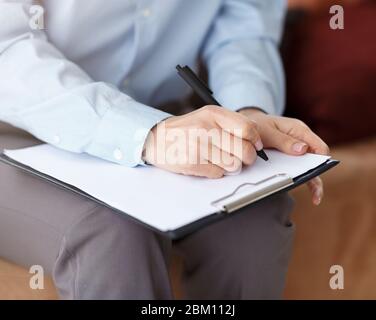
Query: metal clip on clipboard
234	201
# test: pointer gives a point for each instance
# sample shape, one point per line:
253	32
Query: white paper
161	199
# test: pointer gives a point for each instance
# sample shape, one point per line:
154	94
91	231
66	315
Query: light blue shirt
92	80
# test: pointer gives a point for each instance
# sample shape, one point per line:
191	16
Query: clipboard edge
185	230
188	229
66	186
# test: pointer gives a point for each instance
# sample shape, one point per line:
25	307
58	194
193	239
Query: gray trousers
94	253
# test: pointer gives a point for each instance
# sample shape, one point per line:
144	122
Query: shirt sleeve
49	96
242	56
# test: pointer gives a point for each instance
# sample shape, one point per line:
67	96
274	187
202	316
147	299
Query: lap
34	215
38	219
245	256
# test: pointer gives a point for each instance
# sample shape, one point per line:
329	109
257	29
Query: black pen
204	92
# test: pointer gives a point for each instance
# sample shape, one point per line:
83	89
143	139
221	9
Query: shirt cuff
122	131
248	94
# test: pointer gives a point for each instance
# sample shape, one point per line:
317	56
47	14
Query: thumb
288	144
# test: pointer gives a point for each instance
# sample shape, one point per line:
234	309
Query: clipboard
223	207
236	207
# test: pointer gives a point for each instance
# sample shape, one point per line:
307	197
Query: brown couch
340	231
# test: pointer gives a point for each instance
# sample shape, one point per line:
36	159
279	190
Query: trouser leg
243	257
92	252
105	255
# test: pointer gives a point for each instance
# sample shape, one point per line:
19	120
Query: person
97	78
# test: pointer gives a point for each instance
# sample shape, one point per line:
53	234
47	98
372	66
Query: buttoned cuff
122	131
237	96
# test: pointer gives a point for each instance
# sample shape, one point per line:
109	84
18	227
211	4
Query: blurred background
331	85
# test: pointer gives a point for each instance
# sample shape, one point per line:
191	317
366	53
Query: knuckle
247	129
249	153
250	125
210	109
301	123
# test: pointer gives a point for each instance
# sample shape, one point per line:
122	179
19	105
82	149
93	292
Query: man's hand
206	142
290	136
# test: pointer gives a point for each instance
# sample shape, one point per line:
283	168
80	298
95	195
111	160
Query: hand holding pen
209	142
203	91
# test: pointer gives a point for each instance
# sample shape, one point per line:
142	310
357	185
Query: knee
107	255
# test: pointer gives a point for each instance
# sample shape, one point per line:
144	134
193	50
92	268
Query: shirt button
118	155
146	13
56	139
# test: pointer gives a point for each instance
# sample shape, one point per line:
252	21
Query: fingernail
298	147
258	145
317	198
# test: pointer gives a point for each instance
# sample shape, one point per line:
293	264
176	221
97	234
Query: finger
302	132
240	148
316	188
223	159
236	124
285	143
315	143
207	170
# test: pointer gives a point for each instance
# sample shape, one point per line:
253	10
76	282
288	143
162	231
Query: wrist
148	146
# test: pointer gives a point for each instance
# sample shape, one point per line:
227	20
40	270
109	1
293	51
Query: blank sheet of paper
161	199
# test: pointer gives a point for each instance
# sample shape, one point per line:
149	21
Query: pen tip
262	155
